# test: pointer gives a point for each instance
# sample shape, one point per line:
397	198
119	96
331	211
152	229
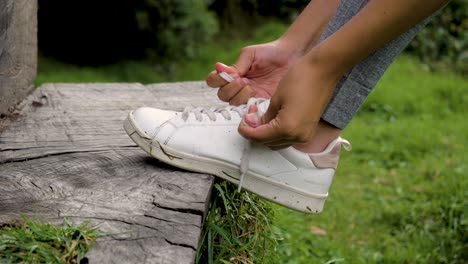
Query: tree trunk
18	51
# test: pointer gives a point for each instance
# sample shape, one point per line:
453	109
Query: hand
257	72
294	110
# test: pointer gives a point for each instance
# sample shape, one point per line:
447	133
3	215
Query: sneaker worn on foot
207	140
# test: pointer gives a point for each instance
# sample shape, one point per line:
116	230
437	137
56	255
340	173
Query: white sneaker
207	140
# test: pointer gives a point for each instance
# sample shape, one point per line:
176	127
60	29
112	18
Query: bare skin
293	117
260	68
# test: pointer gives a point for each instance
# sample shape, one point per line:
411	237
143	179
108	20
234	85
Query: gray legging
355	86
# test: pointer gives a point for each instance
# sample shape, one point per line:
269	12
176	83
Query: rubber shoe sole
274	191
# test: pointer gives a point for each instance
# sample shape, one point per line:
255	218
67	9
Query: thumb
242	65
245	60
270	113
221	67
261	129
253	118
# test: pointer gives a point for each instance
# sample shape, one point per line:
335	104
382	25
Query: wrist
292	45
331	65
317	85
289	49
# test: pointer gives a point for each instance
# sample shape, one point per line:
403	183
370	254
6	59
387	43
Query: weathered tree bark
18	51
67	156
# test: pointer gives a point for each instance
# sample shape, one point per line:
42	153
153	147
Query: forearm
309	25
379	22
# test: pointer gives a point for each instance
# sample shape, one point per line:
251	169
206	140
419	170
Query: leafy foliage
444	42
104	32
174	29
34	241
445	39
238	15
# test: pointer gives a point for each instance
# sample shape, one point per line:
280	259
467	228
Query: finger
269	128
252	117
221	67
228	91
242	96
252	109
240	68
214	80
264	133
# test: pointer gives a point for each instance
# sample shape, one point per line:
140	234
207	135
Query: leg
355	86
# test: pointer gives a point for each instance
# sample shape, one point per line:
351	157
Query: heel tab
328	159
344	143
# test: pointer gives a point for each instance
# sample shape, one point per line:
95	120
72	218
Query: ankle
325	134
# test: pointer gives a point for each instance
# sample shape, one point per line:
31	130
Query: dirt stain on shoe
169	156
227	174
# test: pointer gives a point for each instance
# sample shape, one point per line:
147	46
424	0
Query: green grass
238	228
399	197
34	241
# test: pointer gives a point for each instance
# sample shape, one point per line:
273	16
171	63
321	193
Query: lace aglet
244	165
239	188
228	78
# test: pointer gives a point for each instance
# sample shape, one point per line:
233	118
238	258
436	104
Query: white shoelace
211	112
226	113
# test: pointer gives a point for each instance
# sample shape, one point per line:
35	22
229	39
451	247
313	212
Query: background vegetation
107	31
399	197
444	42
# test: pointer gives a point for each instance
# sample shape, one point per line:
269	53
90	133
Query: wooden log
18	51
67	156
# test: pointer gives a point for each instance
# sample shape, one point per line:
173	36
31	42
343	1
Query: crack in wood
113	220
180	245
58	146
181	210
168	221
35	185
19	160
132	224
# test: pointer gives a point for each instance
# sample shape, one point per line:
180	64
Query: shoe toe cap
149	119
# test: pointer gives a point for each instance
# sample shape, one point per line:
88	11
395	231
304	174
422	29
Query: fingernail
252	120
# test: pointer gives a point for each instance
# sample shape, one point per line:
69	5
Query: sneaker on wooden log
207	141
